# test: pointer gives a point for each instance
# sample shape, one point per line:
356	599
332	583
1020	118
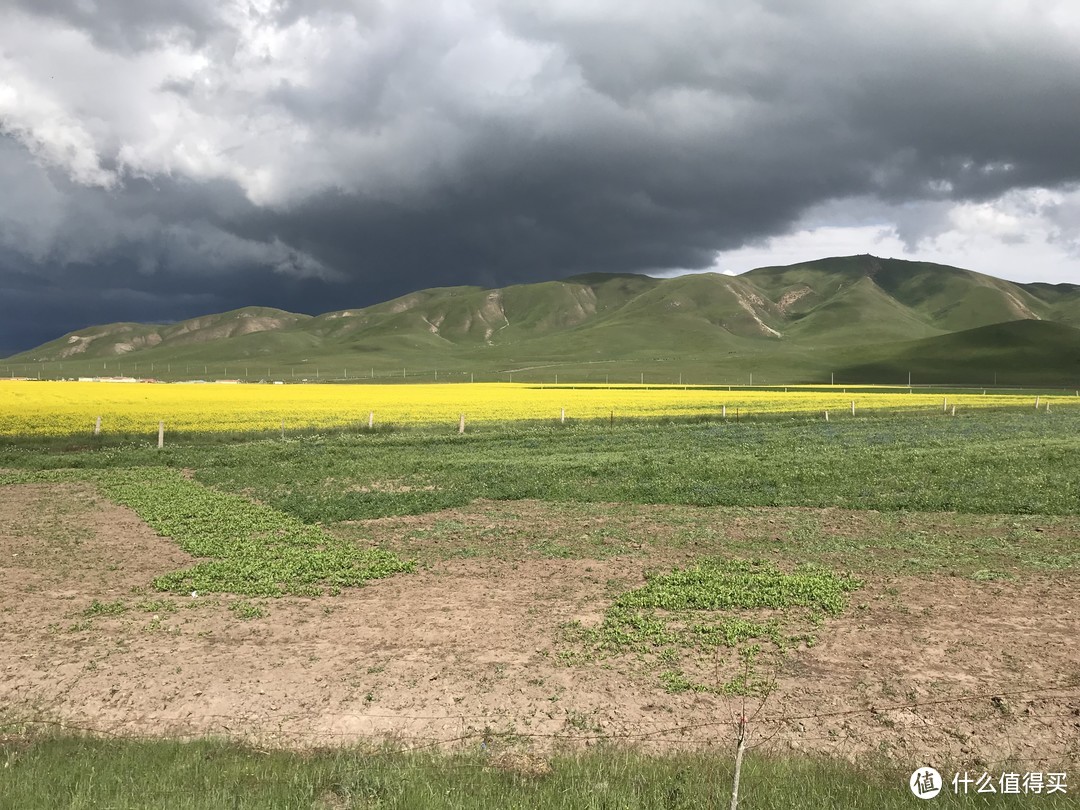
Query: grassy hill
946	298
853	315
1025	352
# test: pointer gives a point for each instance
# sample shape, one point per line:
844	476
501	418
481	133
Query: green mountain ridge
856	315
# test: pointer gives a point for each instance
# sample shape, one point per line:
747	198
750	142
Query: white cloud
1024	235
49	132
283	111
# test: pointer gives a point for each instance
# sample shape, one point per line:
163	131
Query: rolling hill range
862	318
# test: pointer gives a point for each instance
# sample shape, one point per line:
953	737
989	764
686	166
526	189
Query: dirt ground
466	650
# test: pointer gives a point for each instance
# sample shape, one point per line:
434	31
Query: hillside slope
945	298
118	339
1016	353
796	321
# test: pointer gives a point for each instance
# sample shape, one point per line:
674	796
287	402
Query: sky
161	159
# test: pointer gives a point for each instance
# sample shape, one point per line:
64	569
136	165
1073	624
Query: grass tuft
131	774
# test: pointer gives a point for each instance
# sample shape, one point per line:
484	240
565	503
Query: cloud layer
162	159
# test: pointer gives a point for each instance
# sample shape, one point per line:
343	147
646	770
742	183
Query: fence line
659	378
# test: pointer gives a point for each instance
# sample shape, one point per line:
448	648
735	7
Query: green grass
989	463
865	542
74	773
980	547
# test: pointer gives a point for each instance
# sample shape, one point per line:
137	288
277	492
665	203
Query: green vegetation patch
728	584
247	610
254	550
99	608
695	612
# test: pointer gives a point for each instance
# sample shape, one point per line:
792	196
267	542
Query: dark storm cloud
315	155
903	94
533	211
34	309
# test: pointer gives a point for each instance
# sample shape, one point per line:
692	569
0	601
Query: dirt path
470	647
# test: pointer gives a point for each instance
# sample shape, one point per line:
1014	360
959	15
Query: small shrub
247	610
98	608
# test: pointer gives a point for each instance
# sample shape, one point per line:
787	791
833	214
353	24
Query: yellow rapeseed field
66	408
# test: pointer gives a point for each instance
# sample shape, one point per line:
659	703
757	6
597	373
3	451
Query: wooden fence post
371	420
562	417
461	424
97	427
852	407
826	416
160	435
739	751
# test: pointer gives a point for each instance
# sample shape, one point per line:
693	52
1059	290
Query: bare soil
466	650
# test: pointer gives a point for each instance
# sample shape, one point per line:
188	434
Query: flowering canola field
31	408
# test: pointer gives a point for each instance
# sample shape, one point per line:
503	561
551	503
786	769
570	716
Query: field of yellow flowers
32	408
